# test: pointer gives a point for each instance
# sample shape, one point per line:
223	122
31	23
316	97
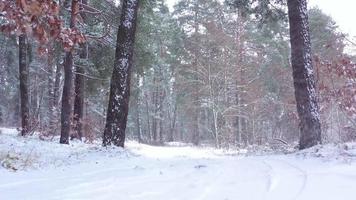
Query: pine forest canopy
226	73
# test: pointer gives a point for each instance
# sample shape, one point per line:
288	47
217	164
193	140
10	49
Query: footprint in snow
199	166
138	168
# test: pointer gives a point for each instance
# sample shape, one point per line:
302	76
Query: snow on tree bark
117	112
24	95
303	74
79	95
79	86
67	88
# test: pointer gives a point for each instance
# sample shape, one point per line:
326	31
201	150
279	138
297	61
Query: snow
176	172
129	13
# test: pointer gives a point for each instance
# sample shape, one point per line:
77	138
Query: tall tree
79	86
67	88
303	74
116	118
24	95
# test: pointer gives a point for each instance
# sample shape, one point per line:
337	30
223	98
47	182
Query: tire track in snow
301	173
273	178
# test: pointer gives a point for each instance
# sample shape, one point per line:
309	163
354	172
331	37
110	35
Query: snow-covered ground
35	170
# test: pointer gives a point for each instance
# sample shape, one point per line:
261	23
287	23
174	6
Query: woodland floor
33	169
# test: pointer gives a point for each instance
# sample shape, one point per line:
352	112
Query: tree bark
50	83
67	88
66	99
155	107
118	107
173	123
138	113
79	87
53	121
195	135
138	122
1	117
79	95
148	119
160	110
303	75
24	95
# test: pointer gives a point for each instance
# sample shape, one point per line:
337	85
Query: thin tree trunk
138	113
1	117
148	118
195	135
303	74
24	95
54	101
173	123
138	122
67	88
238	83
154	99
118	107
160	110
50	85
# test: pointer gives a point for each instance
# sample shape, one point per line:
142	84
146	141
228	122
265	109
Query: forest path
181	173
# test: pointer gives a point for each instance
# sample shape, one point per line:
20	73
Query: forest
180	99
207	72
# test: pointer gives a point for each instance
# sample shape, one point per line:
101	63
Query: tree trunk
1	117
160	110
24	96
239	77
303	74
66	99
53	121
50	84
173	123
138	113
138	122
148	119
79	95
155	107
67	88
80	86
195	135
118	107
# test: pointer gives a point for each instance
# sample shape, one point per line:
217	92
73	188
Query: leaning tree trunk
118	107
67	88
24	96
303	74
